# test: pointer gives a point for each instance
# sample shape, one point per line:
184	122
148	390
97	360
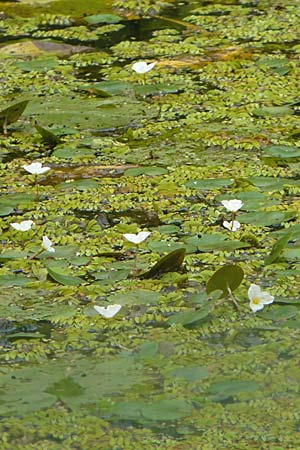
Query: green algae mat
149	225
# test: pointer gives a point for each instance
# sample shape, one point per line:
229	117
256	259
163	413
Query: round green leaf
225	279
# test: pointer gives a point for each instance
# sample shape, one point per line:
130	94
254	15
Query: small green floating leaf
278	313
13	254
225	279
292	301
292	254
168	263
193	373
210	242
147	351
158	89
66	280
148	170
12	114
266	218
191	318
39	64
95	19
66	387
109	88
277	248
167	246
209	183
273	111
5	210
230	388
282	151
14	280
166	410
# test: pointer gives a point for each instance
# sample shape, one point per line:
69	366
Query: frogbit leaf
225	279
66	280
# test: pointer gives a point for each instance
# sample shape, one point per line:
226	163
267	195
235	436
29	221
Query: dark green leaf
225	279
12	114
168	263
48	136
277	247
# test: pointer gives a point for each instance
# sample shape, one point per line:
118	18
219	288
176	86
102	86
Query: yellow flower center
256	300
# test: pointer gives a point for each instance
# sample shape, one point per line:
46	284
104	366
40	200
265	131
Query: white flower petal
25	225
256	306
142	67
137	238
258	299
47	244
254	291
108	311
36	168
266	298
232	205
231	226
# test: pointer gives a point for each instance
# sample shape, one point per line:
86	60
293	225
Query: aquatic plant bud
108	311
36	168
137	238
25	225
142	67
258	298
48	245
232	205
233	225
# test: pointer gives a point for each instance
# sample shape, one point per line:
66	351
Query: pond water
112	339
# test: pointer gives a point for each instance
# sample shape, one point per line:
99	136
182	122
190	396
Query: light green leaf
66	280
282	151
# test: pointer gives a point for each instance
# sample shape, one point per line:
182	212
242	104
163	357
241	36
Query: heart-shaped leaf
225	279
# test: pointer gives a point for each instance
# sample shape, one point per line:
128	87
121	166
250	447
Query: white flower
232	205
48	245
258	298
36	168
108	311
25	225
142	67
137	238
232	225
